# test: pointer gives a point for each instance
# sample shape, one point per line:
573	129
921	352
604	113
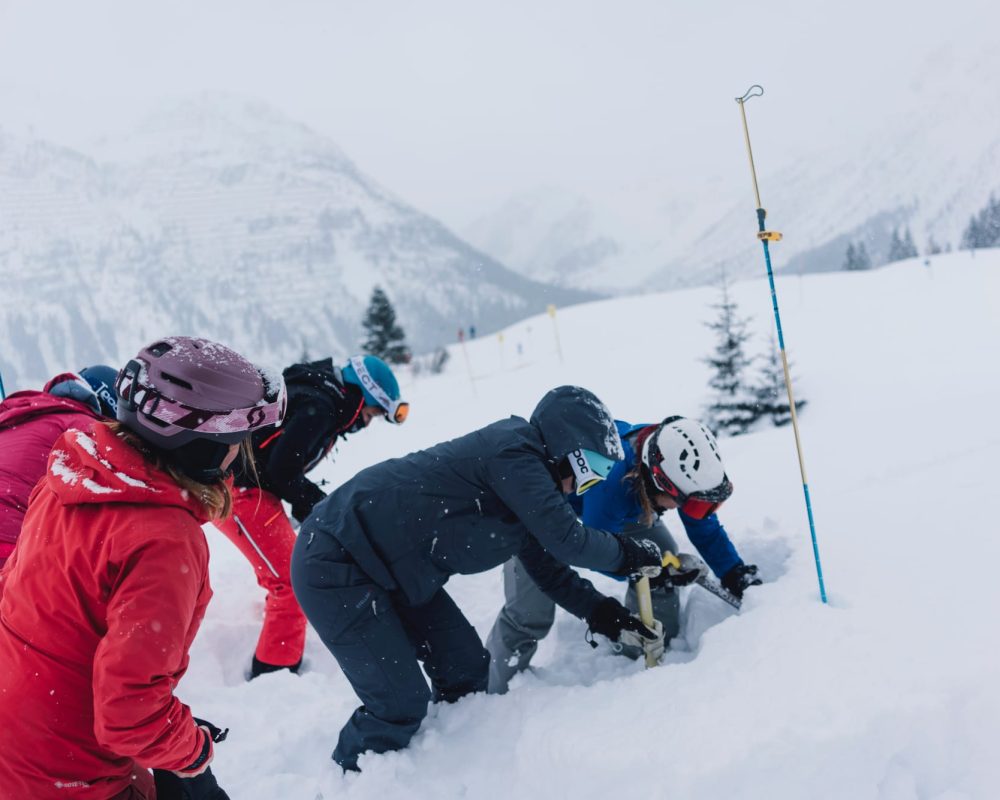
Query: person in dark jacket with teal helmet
371	562
325	404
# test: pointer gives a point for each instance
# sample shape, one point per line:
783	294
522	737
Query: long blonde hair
640	485
216	497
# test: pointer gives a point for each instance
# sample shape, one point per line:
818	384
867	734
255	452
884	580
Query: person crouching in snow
324	404
105	591
673	465
30	423
370	563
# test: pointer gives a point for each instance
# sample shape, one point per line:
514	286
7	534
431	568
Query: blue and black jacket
612	505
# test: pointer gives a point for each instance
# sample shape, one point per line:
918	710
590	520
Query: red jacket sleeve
157	601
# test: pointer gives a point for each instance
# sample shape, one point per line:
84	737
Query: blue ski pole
3	394
765	236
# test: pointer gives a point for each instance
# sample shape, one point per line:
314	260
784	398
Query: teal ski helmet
378	385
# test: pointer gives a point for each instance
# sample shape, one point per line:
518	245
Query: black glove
171	786
739	578
640	557
671	577
609	618
217	734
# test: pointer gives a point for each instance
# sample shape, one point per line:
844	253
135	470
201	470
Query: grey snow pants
380	643
528	613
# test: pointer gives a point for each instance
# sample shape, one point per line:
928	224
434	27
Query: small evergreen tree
895	247
983	229
772	397
901	247
933	248
385	338
734	407
857	257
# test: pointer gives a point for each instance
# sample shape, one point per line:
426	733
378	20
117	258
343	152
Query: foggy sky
455	106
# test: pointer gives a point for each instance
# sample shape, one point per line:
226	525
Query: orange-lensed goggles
399	413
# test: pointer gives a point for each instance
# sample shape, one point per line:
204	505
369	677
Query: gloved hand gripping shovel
679	570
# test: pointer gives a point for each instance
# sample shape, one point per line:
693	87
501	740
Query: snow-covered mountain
929	162
223	218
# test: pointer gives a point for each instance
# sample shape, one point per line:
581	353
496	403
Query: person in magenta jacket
30	423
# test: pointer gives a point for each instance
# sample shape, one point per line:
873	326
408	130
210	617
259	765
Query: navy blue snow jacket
612	504
470	504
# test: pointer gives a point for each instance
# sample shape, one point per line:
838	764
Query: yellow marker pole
555	327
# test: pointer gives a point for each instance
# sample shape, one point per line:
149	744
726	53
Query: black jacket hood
572	418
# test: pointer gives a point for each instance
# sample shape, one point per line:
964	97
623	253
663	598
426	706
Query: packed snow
889	691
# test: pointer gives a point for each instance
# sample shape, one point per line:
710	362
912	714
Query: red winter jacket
30	423
99	605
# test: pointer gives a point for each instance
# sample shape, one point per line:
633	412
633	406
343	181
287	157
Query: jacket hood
98	467
22	406
572	418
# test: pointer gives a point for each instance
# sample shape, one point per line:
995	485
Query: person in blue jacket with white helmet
673	465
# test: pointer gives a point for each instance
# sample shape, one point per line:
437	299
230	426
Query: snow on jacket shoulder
98	607
30	422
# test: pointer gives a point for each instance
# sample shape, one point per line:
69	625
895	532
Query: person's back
467	505
30	423
97	525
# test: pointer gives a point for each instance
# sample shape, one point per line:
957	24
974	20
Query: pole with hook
765	236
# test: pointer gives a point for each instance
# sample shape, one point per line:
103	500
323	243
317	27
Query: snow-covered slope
888	692
930	160
223	218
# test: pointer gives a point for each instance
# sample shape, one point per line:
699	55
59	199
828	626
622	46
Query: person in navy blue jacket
673	465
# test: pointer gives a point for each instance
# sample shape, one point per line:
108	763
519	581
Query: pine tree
933	248
734	407
770	391
385	338
983	229
850	257
864	261
901	247
895	247
857	257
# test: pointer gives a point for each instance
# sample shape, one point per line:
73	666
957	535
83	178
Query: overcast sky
457	105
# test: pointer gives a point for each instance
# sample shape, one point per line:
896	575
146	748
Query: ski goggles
396	411
698	505
589	468
143	399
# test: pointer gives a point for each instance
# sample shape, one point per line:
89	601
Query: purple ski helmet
180	390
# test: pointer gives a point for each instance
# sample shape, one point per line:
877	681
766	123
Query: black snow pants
380	642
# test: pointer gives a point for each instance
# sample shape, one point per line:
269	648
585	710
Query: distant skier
106	589
371	562
30	423
324	403
673	465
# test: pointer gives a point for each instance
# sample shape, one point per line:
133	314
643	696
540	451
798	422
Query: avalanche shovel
680	568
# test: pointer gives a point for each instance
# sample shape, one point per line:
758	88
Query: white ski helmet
682	459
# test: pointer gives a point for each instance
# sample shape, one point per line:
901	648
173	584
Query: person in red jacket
30	422
105	591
